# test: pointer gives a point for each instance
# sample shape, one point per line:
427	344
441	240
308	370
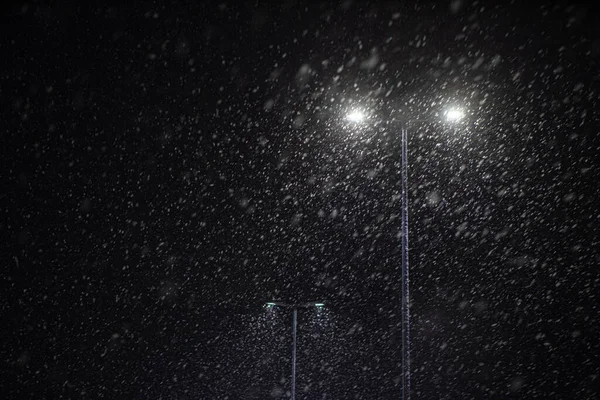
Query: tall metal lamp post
358	117
294	308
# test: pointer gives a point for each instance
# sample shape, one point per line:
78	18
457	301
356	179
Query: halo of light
454	114
355	116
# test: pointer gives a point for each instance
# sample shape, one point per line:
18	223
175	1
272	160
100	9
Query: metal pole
294	326
405	281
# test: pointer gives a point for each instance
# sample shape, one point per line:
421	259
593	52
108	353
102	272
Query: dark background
168	169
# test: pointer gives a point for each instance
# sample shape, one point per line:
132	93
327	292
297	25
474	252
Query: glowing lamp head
355	116
454	115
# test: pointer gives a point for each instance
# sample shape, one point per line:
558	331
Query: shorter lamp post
294	308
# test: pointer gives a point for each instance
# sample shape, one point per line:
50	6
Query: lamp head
355	116
454	114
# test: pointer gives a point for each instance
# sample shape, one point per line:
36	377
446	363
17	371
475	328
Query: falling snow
170	169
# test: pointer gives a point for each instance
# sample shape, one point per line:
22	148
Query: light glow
454	115
355	116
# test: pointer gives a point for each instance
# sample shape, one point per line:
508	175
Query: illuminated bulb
454	115
355	116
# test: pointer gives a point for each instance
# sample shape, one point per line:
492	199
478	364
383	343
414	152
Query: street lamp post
405	281
452	115
294	308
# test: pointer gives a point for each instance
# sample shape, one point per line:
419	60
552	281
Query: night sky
166	170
